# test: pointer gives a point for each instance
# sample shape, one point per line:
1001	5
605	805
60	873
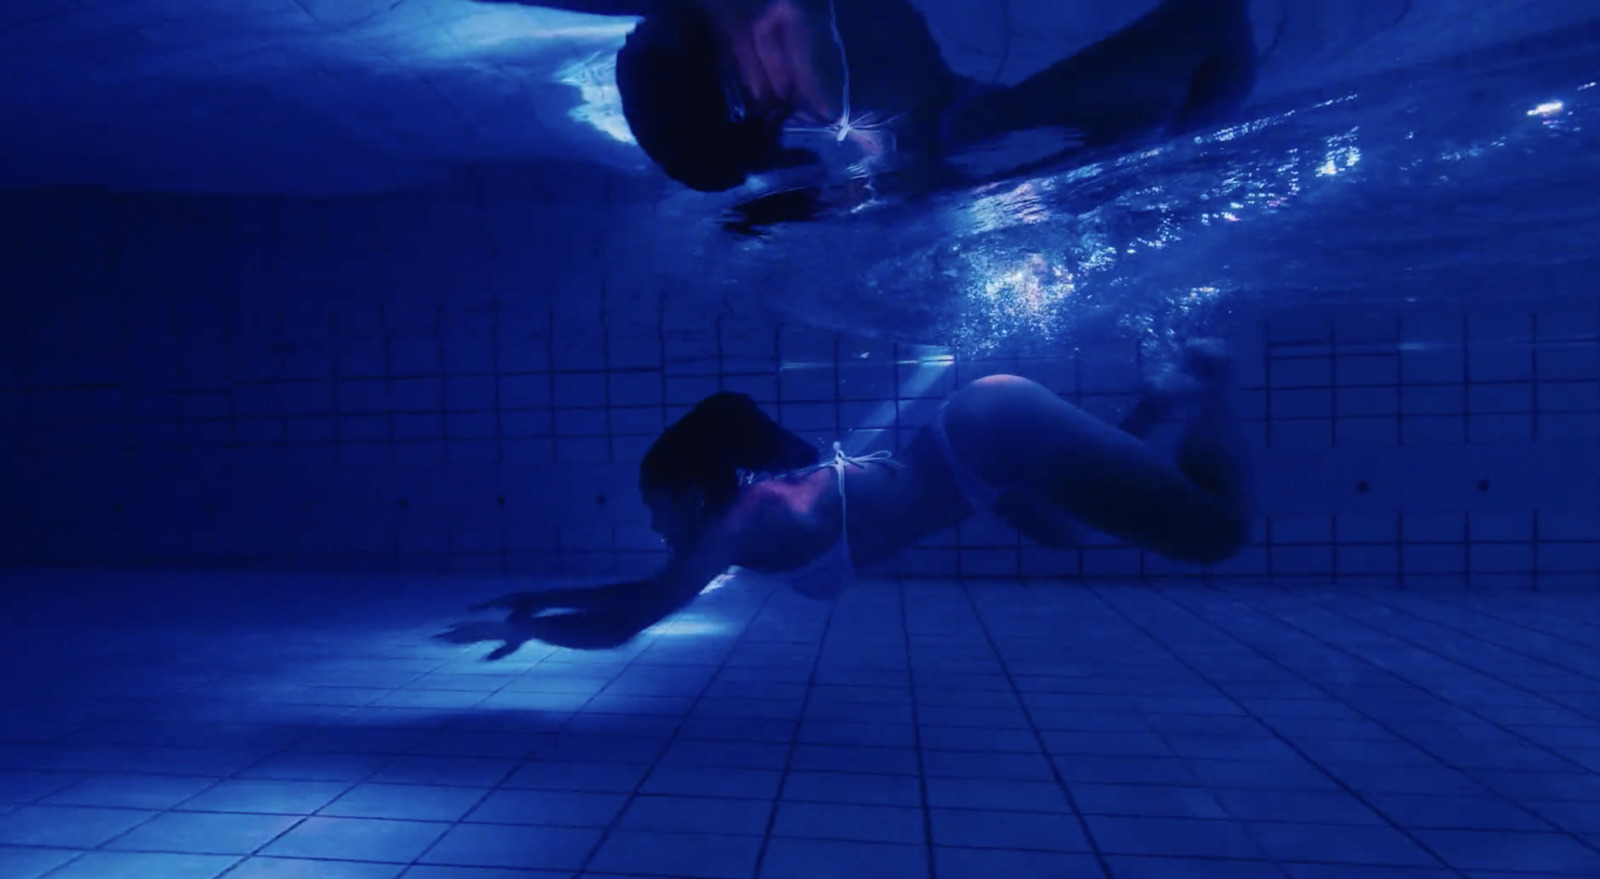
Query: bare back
785	522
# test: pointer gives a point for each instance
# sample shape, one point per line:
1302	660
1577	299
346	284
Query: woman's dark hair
706	448
671	76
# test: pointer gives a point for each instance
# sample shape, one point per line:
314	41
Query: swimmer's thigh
1019	437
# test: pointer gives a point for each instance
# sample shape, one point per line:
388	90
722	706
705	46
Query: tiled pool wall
450	384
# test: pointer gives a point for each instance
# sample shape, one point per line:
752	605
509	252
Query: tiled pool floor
262	727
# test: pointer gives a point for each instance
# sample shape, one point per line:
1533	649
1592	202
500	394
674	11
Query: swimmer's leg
1213	453
1040	519
1185	65
1163	395
1019	436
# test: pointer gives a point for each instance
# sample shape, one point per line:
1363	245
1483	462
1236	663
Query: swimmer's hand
610	616
595	618
527	605
511	635
585	630
519	605
582	630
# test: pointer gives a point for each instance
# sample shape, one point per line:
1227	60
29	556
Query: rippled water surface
1476	179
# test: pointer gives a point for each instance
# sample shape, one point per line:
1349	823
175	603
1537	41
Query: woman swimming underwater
727	486
715	91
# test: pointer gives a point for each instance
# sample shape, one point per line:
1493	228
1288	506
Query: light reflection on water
1455	186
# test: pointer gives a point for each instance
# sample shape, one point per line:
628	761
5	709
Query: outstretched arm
526	605
610	616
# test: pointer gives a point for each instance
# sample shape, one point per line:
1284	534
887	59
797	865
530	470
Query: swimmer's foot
1207	359
1162	395
1169	394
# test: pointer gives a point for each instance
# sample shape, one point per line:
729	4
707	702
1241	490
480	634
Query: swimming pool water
1464	181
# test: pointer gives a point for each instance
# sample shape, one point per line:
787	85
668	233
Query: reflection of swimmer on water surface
717	90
